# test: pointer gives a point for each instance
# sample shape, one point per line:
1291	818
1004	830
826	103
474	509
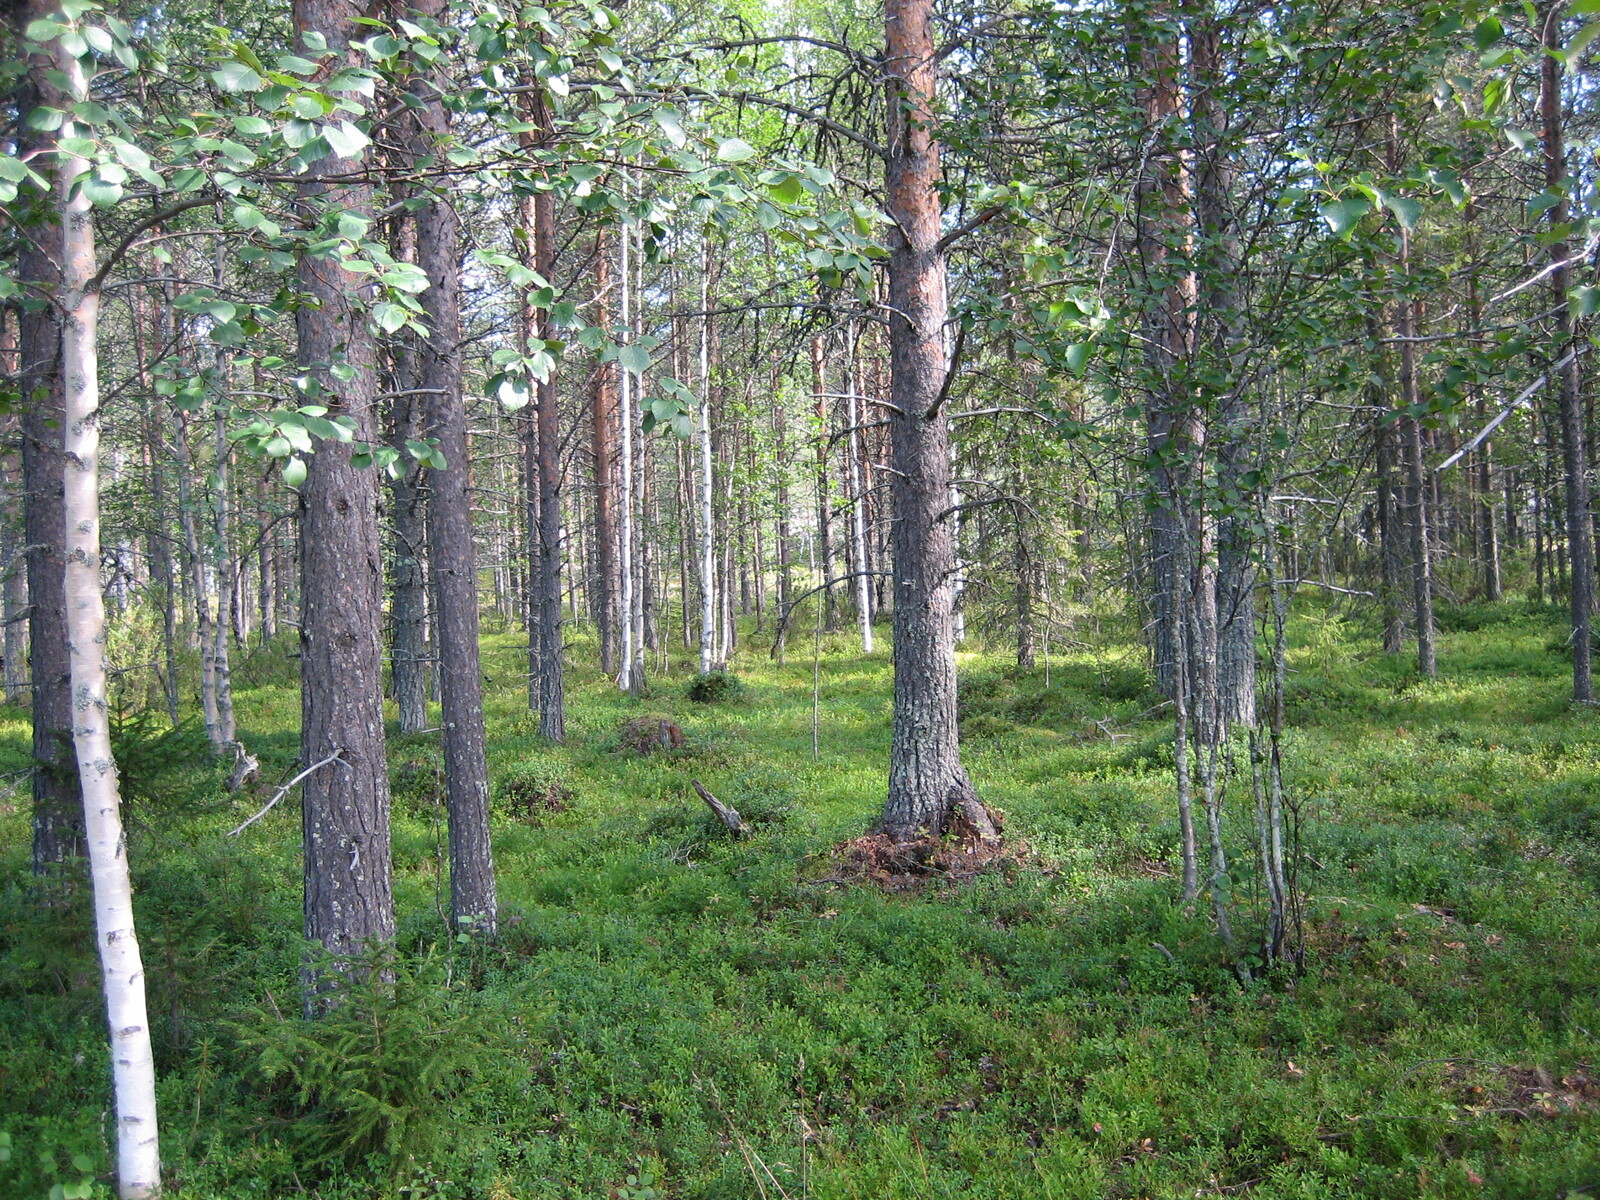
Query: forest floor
672	1014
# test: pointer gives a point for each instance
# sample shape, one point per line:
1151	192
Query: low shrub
533	788
715	687
375	1080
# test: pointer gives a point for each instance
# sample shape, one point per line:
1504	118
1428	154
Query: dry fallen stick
728	815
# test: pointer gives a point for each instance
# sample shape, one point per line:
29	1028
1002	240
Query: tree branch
284	791
133	235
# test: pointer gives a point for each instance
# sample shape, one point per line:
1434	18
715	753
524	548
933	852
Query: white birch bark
626	679
224	568
708	567
639	555
132	1067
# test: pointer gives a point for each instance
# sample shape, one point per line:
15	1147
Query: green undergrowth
669	1013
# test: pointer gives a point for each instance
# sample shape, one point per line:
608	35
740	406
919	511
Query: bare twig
284	791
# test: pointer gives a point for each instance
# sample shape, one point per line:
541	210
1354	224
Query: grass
717	1020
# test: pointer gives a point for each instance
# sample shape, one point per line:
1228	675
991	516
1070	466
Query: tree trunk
452	556
194	570
1026	579
819	391
14	588
410	672
708	568
858	497
1387	489
223	567
547	569
780	431
132	1065
603	424
408	579
57	812
1160	238
349	903
267	567
1574	453
927	783
1221	335
630	677
1416	477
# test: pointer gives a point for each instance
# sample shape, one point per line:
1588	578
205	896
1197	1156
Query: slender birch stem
122	972
708	569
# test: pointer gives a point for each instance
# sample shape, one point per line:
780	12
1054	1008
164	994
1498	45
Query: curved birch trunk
122	973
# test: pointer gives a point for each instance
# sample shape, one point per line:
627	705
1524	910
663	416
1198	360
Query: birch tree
78	182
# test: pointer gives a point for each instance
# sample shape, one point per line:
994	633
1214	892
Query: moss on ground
719	1020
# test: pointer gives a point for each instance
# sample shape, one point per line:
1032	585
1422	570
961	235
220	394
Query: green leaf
1343	216
1406	210
671	125
353	226
1543	203
1585	300
1495	93
1488	33
251	127
512	391
633	357
345	140
788	190
294	471
735	150
102	192
237	77
240	154
1078	358
390	317
1450	183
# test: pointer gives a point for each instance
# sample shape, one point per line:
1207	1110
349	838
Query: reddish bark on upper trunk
927	783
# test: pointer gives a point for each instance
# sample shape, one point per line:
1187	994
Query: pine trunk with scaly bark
452	556
928	786
57	811
349	902
549	681
1574	451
